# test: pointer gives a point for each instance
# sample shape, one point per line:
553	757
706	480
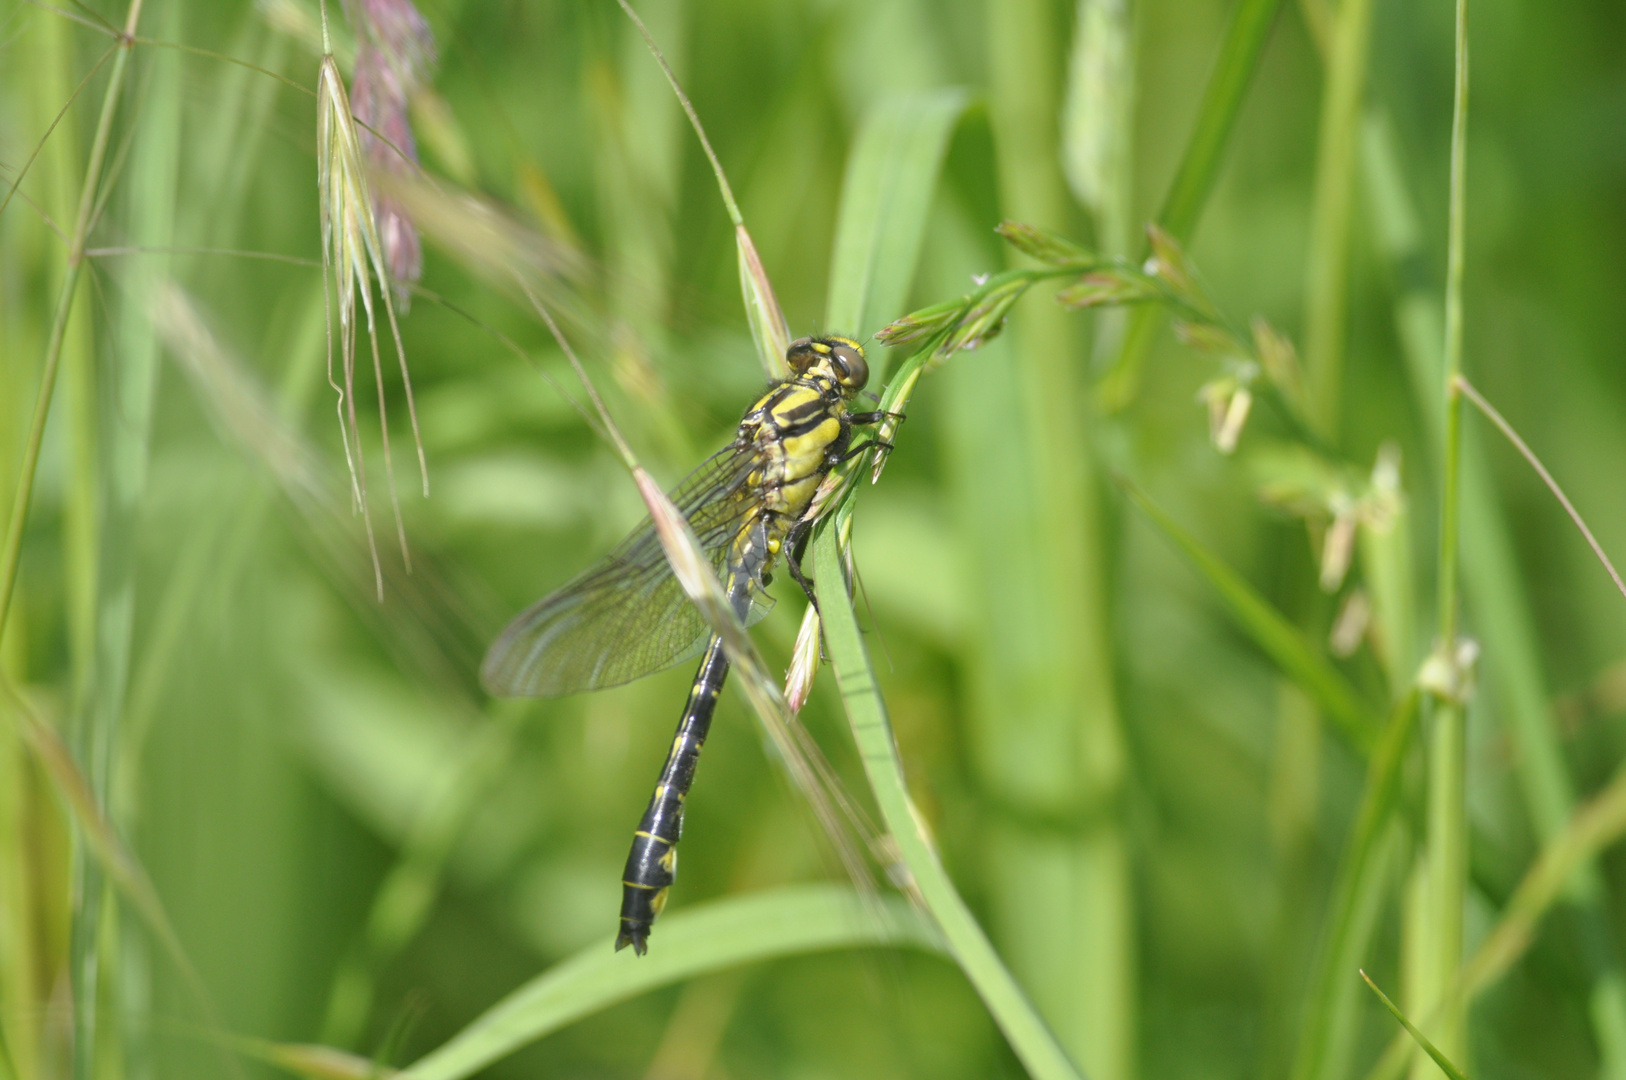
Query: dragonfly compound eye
850	366
800	354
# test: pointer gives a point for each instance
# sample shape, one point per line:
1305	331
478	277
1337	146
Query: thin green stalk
762	310
1269	629
1346	931
723	188
1062	907
1530	457
12	552
1453	339
1434	1052
1492	582
1238	59
126	389
1446	857
1326	277
88	925
1032	1041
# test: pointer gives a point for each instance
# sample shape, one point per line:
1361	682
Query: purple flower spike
394	54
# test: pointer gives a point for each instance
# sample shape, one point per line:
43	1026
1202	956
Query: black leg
854	451
795	549
862	418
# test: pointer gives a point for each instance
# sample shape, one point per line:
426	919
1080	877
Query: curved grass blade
1272	633
104	845
1029	1037
1591	830
1422	1040
706	938
1360	874
1239	56
762	310
886	195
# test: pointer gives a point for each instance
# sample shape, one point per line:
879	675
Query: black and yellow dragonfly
627	616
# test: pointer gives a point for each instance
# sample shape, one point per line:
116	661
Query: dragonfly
627	616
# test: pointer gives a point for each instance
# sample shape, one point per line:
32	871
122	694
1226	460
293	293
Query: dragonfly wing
627	616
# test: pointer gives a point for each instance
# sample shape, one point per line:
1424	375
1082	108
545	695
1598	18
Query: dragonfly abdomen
652	862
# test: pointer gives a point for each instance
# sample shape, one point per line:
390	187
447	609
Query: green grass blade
1029	1037
702	939
1562	863
1233	71
1326	275
1046	732
127	388
1444	860
1329	1015
886	195
1494	588
1593	828
1433	1051
406	898
1272	633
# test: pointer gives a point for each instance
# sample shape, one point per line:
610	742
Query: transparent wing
627	616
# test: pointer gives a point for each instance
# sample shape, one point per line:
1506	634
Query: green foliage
1116	587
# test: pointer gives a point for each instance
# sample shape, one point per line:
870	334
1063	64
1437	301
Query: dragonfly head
840	358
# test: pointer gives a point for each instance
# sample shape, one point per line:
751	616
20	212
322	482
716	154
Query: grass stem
11	553
1327	275
1222	101
1032	1041
1446	860
1529	455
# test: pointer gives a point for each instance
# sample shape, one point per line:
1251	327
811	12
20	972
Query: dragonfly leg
795	549
652	862
863	418
868	444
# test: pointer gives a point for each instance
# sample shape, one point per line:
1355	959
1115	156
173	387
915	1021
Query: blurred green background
357	847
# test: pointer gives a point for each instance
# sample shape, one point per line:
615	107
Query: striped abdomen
652	862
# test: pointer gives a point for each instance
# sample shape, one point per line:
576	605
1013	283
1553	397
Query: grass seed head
353	254
804	661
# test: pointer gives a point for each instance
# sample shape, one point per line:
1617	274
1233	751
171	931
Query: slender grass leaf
1272	633
762	311
1359	871
886	195
1438	964
1588	833
706	938
1199	165
1494	583
1030	1038
1422	1040
315	1062
1593	828
1326	275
